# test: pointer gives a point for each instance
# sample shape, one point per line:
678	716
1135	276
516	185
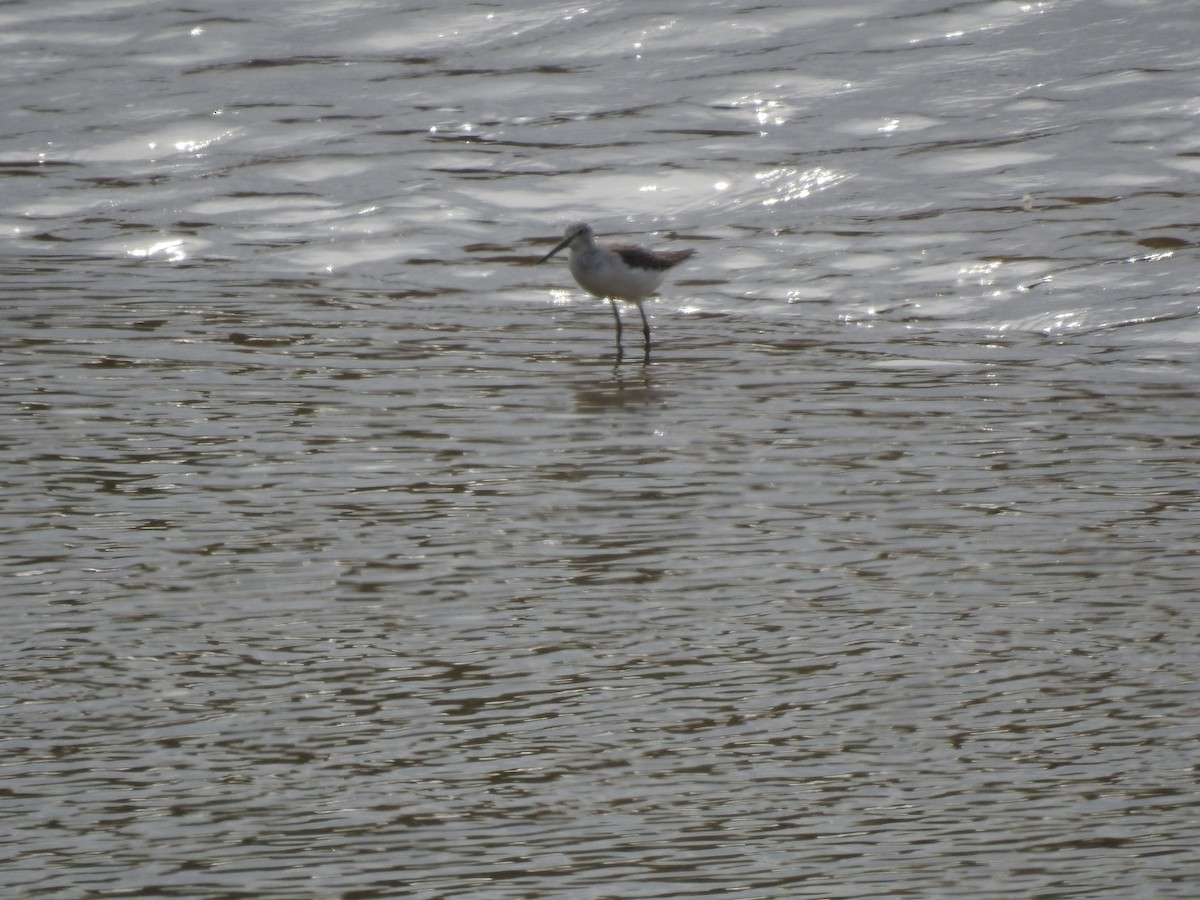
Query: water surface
344	558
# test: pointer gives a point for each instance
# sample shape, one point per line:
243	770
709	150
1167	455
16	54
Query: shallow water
345	558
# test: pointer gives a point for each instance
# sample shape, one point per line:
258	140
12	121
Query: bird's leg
617	316
645	324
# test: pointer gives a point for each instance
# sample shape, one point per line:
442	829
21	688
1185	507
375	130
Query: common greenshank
617	271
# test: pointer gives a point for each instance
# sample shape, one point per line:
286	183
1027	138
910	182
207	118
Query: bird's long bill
561	244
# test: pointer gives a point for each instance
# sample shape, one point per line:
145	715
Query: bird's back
655	260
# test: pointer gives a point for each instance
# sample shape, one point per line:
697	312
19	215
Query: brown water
343	558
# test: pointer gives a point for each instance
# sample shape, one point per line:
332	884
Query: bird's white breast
602	273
